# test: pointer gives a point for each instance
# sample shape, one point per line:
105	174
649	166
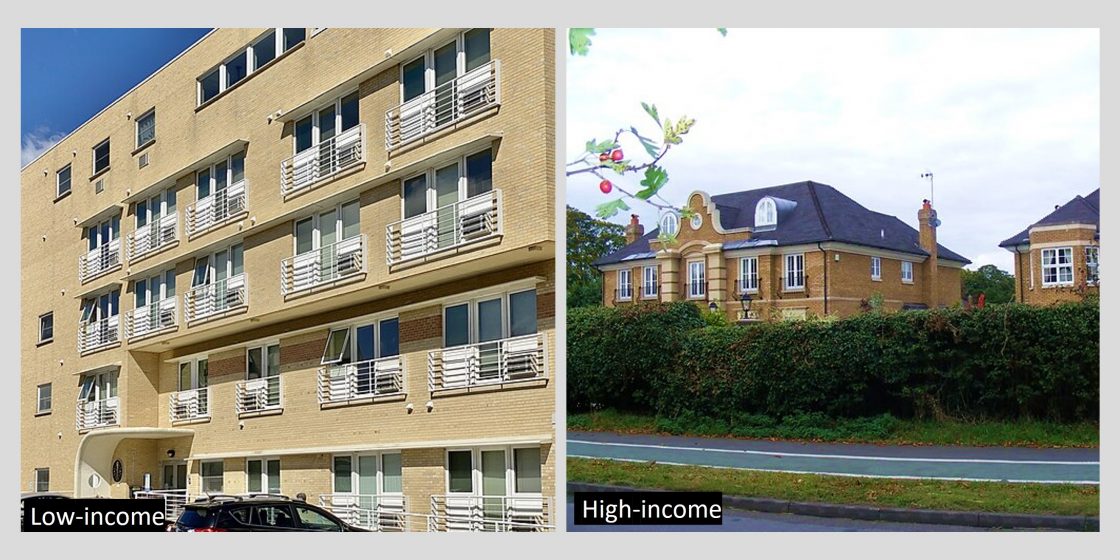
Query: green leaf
722	31
595	147
611	208
652	111
647	143
655	178
579	40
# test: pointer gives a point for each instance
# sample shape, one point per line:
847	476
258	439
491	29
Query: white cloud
36	142
1008	120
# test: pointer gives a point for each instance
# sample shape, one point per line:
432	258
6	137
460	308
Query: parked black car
256	512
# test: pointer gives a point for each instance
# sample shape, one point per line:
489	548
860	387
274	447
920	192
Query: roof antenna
929	175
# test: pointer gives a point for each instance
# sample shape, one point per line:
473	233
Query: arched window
670	223
766	213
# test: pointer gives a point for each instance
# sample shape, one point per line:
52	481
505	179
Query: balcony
362	380
190	405
151	319
99	334
323	161
99	261
97	414
498	362
212	300
258	396
491	513
324	266
444	229
444	106
152	237
383	513
217	209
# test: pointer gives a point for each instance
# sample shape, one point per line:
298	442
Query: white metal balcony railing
173	501
212	211
97	414
258	395
152	237
508	360
491	513
322	266
190	404
323	160
153	318
369	379
451	102
208	300
99	334
383	512
99	261
451	226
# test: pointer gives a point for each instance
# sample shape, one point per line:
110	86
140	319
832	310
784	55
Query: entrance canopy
94	461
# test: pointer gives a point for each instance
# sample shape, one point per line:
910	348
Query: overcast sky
1007	121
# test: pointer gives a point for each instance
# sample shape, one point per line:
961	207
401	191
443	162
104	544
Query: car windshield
195	517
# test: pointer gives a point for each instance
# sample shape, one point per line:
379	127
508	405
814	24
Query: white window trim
429	64
476	470
211	265
193	361
1096	250
743	276
903	267
35	481
162	197
472	314
316	125
430	194
263	347
149	113
649	284
786	269
40	335
212	170
39	399
317	226
352	338
766	213
665	219
93	160
250	67
264	473
355	478
625	289
202	478
58	180
1058	268
703	280
876	269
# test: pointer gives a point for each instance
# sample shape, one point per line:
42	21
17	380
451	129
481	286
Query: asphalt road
1078	466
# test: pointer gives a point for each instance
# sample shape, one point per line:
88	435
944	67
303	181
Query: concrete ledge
874	513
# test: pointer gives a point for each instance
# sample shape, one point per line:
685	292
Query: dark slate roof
822	213
1080	210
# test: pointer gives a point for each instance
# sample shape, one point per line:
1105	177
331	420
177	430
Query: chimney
634	230
927	239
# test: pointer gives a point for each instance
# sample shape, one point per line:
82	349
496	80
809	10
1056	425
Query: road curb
982	519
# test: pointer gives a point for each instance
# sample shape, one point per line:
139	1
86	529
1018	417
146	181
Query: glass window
415	196
338	345
351	215
146	128
212	476
42	480
46	327
367	474
342	475
264	50
412	77
523	313
391	472
390	337
1092	264
1057	266
101	157
493	472
349	111
210	85
44	398
669	223
624	284
293	36
237	259
876	268
456	326
649	281
459	472
315	521
490	320
237	68
748	274
305	235
237	168
202	184
303	131
696	285
63	181
476	46
364	343
479	174
907	271
273	516
795	271
255	478
527	469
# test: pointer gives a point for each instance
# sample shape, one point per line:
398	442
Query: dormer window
766	213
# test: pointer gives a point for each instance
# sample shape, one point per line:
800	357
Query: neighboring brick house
1058	257
331	271
798	250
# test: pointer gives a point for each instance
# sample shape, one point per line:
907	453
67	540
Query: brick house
797	250
1057	258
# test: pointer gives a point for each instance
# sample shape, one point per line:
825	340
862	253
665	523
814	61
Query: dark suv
256	512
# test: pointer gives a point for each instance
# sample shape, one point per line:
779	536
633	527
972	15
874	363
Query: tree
589	239
997	285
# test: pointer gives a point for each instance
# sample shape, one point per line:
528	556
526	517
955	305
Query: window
696	221
766	213
502	471
670	222
247	60
440	189
490	319
460	472
219	267
907	272
101	157
220	176
649	281
697	286
62	181
326	123
42	480
321	231
194	374
151	210
264	476
1092	265
43	394
624	284
97	387
748	274
1057	266
213	476
103	233
262	373
362	343
795	272
146	128
527	470
102	307
46	327
436	68
358	474
876	268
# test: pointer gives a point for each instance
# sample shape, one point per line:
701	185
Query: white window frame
649	281
1093	265
476	470
876	268
355	477
316	125
37	482
431	198
211	265
263	349
766	213
1057	267
748	271
472	315
202	477
93	232
194	368
317	227
92	306
264	474
793	263
213	179
350	346
165	200
625	283
149	113
91	390
41	317
694	282
250	63
58	192
669	221
39	408
108	158
164	289
907	272
429	63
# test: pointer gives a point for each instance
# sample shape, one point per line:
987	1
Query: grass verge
1055	499
879	429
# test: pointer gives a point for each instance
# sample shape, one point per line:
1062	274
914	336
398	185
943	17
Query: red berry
616	155
605	186
604	156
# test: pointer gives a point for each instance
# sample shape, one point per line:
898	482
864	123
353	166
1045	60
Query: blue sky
68	75
1007	120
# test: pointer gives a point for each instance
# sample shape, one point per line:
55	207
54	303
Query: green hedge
1001	362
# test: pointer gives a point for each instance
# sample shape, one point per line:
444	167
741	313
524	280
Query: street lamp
745	301
713	307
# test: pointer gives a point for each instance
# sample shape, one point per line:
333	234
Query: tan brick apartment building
304	260
1057	258
798	250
